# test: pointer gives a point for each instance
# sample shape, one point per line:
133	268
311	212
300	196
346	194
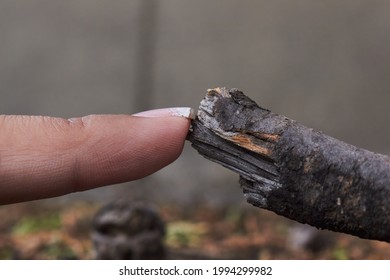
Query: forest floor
37	231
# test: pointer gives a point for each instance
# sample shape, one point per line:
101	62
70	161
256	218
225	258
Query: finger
43	157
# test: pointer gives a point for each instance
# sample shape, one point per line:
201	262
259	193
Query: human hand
43	157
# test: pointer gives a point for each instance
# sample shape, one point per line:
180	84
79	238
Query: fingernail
183	112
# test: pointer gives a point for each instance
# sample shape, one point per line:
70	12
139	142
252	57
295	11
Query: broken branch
293	170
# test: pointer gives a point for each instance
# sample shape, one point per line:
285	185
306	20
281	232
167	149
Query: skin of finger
43	157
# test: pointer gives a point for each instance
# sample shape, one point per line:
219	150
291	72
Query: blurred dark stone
128	230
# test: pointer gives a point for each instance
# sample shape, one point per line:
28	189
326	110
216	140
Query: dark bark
293	170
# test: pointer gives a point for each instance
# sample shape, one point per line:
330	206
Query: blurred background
325	64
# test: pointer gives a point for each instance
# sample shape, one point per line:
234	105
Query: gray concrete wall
323	63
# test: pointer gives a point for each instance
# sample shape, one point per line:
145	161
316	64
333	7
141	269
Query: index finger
43	157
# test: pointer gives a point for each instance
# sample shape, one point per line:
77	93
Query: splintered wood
293	170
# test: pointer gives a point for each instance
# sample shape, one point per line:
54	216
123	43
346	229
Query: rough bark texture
293	170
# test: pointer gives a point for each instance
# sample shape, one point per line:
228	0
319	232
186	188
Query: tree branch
293	170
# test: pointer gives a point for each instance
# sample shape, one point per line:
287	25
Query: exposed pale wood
293	170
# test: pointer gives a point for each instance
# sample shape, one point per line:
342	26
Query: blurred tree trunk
145	54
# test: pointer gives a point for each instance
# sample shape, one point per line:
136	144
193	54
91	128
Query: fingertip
126	148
